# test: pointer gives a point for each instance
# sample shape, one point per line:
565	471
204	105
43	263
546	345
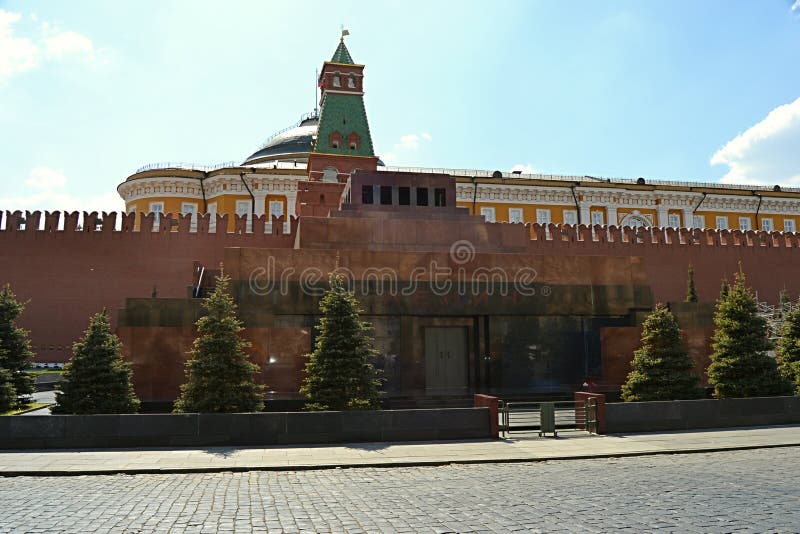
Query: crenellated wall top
168	224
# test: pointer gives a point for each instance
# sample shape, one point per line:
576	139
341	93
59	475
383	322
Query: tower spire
343	141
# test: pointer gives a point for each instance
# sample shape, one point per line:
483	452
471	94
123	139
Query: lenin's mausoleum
475	281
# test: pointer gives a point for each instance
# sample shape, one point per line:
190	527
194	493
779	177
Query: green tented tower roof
342	55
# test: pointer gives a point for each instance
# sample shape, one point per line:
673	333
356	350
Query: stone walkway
732	491
521	448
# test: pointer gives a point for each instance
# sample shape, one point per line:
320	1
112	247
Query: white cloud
17	54
48	193
68	43
766	153
796	5
410	141
524	169
23	53
427	136
46	178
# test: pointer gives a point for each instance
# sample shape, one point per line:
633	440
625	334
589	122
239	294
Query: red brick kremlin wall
69	274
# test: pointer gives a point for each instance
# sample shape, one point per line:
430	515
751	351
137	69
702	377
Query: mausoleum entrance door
446	371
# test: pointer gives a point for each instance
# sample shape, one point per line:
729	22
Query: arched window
335	140
351	81
636	220
353	141
337	80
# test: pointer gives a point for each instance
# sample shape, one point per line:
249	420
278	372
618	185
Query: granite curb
387	464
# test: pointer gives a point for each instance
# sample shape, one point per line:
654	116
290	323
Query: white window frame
597	217
157	209
543	216
721	222
789	226
337	80
570	217
212	216
132	209
515	215
191	208
698	221
745	224
673	220
489	214
767	224
245	207
273	204
351	81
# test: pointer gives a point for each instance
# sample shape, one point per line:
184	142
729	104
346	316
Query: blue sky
683	90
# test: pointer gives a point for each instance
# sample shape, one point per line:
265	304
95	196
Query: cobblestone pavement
750	491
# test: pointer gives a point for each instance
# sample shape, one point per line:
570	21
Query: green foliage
740	365
96	378
339	373
789	348
691	291
8	395
15	350
220	378
661	367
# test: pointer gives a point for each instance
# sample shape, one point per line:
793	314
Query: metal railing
186	166
543	417
574	178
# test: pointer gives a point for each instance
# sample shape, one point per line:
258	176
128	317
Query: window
243	207
366	194
597	217
132	208
335	140
570	217
488	213
404	196
190	208
542	216
353	141
422	196
674	220
275	208
156	208
788	225
722	222
351	81
212	216
698	221
386	195
515	215
337	80
744	224
439	197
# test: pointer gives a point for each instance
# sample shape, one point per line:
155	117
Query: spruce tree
691	291
789	348
96	379
740	366
661	366
15	350
339	372
8	396
220	378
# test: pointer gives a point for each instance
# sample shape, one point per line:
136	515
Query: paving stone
737	491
